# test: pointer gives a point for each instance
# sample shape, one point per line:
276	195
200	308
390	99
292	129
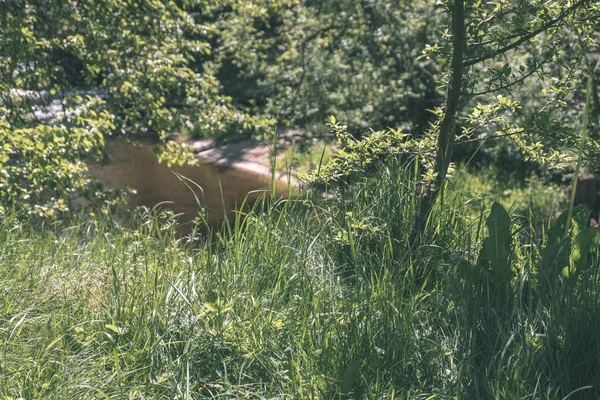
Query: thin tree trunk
447	136
596	100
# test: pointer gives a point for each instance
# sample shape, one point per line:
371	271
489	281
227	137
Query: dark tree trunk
447	136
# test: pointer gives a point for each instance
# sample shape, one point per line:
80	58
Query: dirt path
247	154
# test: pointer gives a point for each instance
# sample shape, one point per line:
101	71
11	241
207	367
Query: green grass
532	200
305	158
297	299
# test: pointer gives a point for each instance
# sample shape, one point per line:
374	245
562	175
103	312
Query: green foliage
531	199
563	252
276	305
534	56
216	68
479	39
143	55
496	248
305	157
145	65
354	157
42	169
297	298
304	61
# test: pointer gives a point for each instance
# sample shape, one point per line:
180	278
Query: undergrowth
304	299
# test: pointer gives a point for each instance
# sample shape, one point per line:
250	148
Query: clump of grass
295	299
304	157
534	200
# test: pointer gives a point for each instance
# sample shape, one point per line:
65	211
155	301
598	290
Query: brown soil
247	154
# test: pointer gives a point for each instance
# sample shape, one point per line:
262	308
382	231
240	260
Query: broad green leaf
349	376
584	244
496	251
557	251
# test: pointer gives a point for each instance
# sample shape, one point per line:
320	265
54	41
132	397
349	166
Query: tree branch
516	81
527	36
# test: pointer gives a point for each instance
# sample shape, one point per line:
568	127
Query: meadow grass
299	298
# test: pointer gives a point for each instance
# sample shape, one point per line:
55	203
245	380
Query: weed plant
304	299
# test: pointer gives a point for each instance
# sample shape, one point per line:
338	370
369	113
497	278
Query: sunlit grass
296	299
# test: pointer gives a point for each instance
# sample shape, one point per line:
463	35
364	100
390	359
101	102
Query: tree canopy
74	73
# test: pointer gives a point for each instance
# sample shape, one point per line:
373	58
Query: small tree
518	67
481	35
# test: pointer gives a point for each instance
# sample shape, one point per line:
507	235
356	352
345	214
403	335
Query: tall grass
300	299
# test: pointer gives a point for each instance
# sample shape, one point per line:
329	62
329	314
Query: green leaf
558	251
586	242
555	254
113	328
496	250
349	377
